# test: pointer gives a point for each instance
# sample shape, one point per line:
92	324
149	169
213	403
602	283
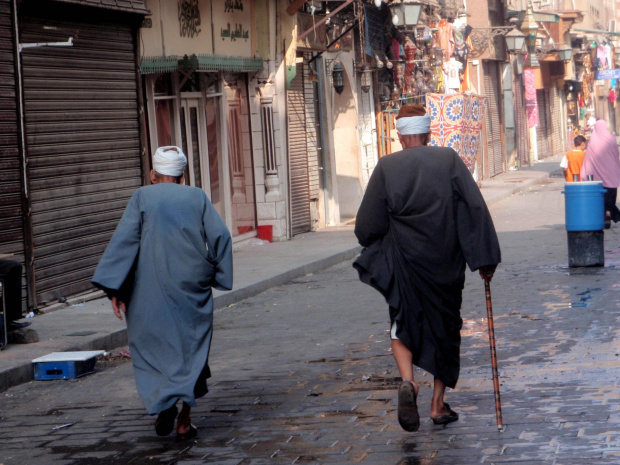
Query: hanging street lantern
515	40
338	78
365	78
405	14
529	27
565	53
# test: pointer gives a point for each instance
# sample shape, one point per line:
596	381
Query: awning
157	65
539	16
226	63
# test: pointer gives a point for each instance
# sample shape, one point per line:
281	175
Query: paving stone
303	373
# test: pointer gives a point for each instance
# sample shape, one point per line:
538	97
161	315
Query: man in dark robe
169	249
422	219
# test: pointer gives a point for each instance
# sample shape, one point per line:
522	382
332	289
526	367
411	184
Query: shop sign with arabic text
232	22
607	74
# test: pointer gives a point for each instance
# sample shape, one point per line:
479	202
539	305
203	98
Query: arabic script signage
178	28
189	18
232	22
233	34
607	74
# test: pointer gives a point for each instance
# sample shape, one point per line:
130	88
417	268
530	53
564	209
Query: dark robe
169	249
421	220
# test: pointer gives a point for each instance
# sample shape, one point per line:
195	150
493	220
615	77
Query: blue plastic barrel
584	206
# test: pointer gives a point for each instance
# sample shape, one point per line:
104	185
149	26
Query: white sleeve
564	162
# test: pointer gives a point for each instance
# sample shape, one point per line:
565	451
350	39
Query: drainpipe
324	159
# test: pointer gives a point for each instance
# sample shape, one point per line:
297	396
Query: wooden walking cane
498	402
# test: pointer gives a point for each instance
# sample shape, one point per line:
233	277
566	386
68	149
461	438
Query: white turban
409	125
169	161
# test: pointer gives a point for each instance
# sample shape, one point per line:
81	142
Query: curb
534	181
25	373
234	296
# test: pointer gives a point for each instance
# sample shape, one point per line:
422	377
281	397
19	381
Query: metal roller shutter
556	121
298	154
523	150
83	142
494	128
11	211
312	133
543	139
11	224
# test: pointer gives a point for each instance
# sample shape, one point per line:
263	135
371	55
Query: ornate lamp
565	53
365	78
405	14
338	78
529	28
515	40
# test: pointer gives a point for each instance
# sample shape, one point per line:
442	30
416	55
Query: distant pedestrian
602	163
421	220
573	159
169	249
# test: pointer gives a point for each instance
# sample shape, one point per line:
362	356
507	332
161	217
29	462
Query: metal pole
498	403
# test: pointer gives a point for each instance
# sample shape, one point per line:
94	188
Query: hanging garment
445	37
452	69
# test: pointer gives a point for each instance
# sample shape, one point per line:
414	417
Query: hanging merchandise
461	53
452	69
399	76
588	78
419	80
445	37
531	104
608	56
456	121
410	52
601	57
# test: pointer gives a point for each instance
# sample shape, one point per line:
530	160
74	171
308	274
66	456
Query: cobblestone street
303	373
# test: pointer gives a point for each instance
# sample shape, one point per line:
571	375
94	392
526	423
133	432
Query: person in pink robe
603	164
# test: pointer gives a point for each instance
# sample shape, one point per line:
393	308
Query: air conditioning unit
612	25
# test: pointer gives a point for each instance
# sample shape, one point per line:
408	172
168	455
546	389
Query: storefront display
456	121
429	65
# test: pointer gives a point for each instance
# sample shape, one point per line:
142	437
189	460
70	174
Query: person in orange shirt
573	159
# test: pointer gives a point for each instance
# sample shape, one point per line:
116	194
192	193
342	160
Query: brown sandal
408	416
446	418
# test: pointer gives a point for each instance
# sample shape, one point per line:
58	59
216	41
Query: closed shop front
301	219
495	159
82	135
522	134
545	128
11	222
555	107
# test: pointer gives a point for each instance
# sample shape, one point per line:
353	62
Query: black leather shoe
13	325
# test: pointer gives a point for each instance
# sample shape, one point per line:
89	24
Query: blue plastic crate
65	365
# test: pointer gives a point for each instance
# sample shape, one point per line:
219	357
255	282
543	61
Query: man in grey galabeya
169	250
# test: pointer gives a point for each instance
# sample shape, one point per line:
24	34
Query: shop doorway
200	142
194	143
